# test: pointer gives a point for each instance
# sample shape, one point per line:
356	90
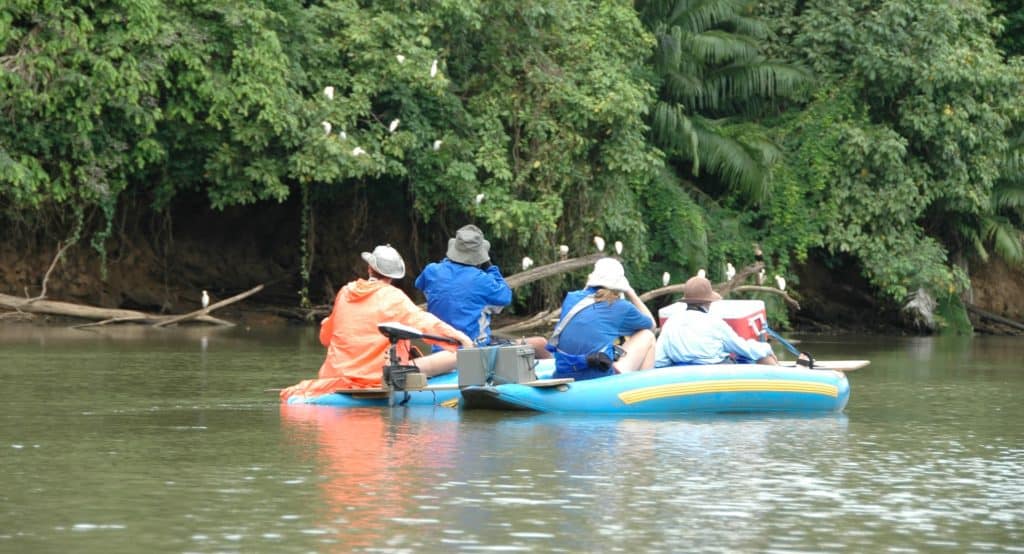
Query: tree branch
208	309
46	277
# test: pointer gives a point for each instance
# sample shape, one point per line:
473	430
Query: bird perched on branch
665	278
205	301
527	262
780	282
563	251
702	274
599	243
730	271
760	277
618	247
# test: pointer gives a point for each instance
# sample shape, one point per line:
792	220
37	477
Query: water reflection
151	442
376	466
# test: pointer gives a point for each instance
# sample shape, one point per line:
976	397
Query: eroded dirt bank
161	264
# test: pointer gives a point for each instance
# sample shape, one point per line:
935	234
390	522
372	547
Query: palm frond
720	46
1007	195
749	26
741	166
755	78
698	15
1006	239
674	130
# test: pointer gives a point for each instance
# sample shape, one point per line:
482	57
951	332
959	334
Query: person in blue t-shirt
464	289
594	318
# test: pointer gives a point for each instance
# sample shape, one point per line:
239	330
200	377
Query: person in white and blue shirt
584	344
695	337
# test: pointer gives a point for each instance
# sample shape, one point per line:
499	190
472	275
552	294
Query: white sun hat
610	274
386	261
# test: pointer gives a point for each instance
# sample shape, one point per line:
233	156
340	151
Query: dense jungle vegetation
879	136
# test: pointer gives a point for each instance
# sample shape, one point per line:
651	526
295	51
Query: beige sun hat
469	246
386	261
697	290
608	273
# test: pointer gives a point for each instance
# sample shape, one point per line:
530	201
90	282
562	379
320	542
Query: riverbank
161	265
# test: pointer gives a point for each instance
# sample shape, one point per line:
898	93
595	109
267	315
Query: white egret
327	127
205	300
780	282
400	58
329	93
618	247
433	69
665	278
527	262
599	243
394	125
479	198
563	251
760	277
342	135
437	144
702	274
358	151
730	271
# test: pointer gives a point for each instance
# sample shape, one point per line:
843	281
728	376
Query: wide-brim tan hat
386	260
697	290
608	273
469	246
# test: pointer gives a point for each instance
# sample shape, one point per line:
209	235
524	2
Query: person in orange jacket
356	349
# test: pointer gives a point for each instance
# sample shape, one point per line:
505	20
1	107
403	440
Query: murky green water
139	441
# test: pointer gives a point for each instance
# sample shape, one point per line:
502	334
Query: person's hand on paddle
464	340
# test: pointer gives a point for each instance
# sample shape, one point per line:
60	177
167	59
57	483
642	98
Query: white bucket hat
610	274
469	246
386	261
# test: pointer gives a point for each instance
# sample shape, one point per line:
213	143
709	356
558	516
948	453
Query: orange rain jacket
356	349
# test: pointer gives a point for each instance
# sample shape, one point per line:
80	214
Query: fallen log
721	288
82	311
552	269
205	311
537	320
993	317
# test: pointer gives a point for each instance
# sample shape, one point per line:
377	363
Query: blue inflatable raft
682	389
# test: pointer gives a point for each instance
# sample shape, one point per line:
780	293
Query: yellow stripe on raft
726	385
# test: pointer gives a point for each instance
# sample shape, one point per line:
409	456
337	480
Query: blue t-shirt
597	326
458	294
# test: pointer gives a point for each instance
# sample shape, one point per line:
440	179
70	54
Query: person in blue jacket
594	318
464	289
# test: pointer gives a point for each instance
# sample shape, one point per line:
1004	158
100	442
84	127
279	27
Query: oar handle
771	332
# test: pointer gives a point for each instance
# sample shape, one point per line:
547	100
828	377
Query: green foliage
532	104
1012	38
710	72
904	140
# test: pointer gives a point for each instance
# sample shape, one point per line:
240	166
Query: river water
132	440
